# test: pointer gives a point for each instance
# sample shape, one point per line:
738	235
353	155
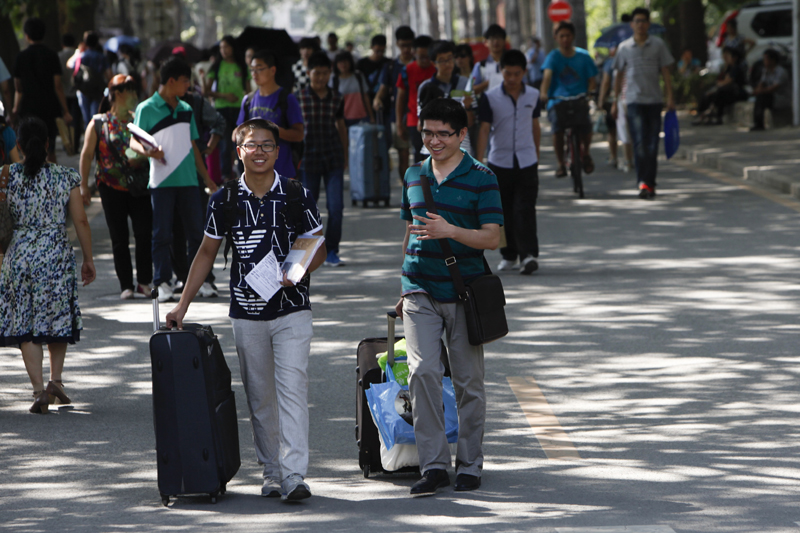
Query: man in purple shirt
269	102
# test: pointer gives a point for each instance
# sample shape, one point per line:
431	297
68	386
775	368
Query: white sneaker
127	294
207	291
270	488
294	488
626	167
165	292
505	264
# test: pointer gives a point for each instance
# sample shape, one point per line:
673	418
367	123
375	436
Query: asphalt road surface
648	385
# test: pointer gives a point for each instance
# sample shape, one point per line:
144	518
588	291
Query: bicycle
572	113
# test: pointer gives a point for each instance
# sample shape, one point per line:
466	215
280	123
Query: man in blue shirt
509	116
273	338
265	102
470	215
536	57
568	71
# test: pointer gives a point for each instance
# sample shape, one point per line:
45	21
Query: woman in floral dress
117	173
38	277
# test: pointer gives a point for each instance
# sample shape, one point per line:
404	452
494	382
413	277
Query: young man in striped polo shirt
469	215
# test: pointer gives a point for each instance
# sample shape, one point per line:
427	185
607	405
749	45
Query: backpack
298	148
230	211
90	82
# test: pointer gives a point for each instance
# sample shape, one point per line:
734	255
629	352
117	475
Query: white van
768	23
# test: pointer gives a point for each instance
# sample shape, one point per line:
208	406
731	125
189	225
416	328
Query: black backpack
298	148
90	82
230	211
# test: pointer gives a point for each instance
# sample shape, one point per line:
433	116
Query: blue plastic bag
672	134
390	406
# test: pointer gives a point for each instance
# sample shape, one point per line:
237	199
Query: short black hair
404	33
377	40
266	56
494	30
565	25
626	17
735	52
640	11
346	56
35	28
256	124
92	40
173	68
333	34
442	47
68	40
445	110
772	54
513	58
309	42
319	59
423	41
429	92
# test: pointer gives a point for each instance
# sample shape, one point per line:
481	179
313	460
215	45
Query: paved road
654	353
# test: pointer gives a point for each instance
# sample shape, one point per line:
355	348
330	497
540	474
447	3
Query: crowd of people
227	128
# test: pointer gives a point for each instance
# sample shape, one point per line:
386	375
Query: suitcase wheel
355	203
213	497
365	469
223	489
165	500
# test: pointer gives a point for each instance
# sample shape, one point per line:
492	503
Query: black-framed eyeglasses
258	70
440	135
252	147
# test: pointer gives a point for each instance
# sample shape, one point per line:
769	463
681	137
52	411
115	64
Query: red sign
559	10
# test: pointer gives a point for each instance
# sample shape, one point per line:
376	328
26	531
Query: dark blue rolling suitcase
369	164
194	411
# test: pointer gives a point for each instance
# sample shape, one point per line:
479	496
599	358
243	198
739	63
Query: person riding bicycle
568	71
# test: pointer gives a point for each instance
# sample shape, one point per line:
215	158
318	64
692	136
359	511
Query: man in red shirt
408	82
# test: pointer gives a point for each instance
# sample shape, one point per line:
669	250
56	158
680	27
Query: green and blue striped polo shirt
469	198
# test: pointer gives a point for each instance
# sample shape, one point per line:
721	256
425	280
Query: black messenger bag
483	298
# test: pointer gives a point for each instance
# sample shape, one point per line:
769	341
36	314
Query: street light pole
796	62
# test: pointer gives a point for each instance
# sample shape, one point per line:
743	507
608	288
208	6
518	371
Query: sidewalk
768	157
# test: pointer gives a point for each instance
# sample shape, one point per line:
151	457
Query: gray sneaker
294	488
270	488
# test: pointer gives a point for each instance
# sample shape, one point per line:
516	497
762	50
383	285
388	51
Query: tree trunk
404	9
693	31
9	47
177	14
207	34
476	16
464	20
492	14
433	18
579	19
513	29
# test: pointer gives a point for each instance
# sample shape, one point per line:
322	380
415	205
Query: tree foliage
353	20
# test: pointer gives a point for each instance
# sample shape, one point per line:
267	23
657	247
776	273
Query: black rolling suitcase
194	411
368	372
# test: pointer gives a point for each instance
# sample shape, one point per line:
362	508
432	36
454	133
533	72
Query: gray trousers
273	357
425	321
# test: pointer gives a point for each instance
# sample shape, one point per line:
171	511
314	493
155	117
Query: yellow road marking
552	437
760	190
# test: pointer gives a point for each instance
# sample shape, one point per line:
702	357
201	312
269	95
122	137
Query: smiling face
258	162
440	141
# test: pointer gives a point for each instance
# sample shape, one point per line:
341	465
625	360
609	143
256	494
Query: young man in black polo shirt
273	338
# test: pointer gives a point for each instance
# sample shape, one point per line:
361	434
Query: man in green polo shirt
470	215
174	169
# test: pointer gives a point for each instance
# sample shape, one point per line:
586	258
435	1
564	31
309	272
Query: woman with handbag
121	178
38	277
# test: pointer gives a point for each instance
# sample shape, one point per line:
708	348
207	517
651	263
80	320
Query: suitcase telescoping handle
156	319
392	317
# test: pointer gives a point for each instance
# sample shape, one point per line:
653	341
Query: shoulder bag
483	298
136	180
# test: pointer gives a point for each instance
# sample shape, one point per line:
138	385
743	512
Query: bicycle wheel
575	141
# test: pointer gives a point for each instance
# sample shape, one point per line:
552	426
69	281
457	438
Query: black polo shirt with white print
261	226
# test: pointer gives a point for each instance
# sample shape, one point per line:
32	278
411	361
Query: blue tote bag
390	406
672	134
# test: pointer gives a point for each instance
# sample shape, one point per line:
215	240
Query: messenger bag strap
450	258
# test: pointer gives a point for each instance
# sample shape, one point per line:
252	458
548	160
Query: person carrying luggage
273	338
470	215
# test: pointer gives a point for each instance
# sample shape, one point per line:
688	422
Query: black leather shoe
465	482
432	480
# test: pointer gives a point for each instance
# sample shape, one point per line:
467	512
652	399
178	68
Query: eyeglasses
251	148
257	70
444	61
440	135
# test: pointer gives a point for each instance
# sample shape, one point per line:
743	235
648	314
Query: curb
777	177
